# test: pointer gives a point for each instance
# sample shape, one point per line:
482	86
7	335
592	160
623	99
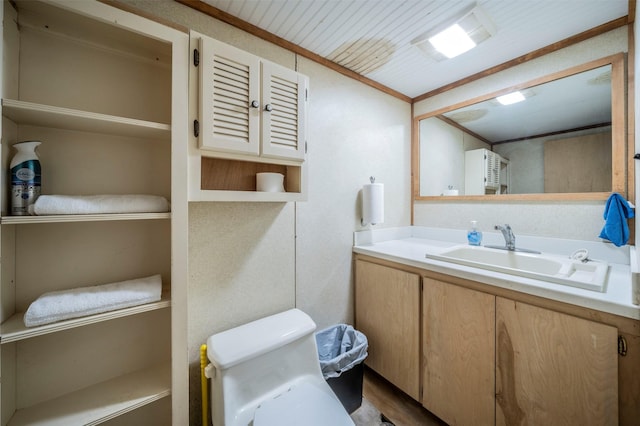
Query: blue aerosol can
26	178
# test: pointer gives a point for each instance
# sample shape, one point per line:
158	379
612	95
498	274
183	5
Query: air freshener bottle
474	236
25	178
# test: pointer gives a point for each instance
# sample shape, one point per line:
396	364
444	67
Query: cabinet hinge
305	147
196	128
196	57
306	95
622	346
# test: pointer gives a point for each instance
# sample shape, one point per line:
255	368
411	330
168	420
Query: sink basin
591	275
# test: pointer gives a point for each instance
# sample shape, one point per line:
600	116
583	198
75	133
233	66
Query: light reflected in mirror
559	140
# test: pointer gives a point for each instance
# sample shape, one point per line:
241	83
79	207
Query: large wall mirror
565	140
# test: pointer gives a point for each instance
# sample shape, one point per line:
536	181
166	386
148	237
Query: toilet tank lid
239	344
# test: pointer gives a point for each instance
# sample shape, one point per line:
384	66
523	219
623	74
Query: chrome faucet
509	238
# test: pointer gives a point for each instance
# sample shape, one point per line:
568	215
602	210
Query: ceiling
373	37
577	102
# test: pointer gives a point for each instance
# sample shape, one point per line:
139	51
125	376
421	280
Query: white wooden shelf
245	196
25	220
100	402
30	113
14	329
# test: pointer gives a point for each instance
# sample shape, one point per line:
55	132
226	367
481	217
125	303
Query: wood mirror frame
620	156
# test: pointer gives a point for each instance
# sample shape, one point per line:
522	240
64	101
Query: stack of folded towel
99	204
78	302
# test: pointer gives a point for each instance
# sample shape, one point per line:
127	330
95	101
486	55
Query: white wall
442	156
248	260
573	220
354	132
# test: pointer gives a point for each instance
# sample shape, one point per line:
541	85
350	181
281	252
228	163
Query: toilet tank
259	361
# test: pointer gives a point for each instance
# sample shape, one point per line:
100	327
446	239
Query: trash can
342	350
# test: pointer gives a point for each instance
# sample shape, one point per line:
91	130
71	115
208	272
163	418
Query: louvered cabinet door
229	85
283	116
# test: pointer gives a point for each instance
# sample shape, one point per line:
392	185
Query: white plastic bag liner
340	348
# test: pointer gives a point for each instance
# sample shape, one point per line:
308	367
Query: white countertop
409	245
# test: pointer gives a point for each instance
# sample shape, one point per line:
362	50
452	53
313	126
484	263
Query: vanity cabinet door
553	368
387	303
459	353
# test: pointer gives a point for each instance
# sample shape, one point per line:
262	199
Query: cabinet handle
255	104
622	346
268	108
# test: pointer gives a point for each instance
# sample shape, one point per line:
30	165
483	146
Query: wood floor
395	405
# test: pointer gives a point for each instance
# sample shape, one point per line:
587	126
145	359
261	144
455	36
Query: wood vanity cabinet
495	356
458	345
387	311
554	368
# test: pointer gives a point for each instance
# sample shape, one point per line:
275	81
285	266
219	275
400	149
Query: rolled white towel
100	204
78	302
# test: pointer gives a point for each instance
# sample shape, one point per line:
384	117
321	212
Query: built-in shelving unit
14	329
24	220
98	87
101	402
66	118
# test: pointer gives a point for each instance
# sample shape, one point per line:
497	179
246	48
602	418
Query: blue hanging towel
616	212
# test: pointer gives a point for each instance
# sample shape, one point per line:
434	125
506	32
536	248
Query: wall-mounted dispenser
372	203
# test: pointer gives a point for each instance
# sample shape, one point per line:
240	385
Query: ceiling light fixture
511	98
456	35
452	42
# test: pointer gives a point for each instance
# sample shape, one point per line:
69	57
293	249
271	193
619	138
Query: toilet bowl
267	373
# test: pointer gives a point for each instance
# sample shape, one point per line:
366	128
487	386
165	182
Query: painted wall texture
248	260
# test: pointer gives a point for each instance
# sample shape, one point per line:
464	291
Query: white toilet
267	373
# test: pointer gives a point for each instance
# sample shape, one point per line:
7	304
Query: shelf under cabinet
247	196
25	220
223	179
14	329
31	113
100	402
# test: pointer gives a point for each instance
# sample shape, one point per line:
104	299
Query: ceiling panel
373	38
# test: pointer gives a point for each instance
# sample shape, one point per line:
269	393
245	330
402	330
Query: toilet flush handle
209	371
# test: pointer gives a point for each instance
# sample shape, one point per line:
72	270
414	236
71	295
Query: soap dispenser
474	236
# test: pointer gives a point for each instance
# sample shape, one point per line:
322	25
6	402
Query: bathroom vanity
476	346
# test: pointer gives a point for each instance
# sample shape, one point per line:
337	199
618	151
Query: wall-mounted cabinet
250	117
485	172
98	87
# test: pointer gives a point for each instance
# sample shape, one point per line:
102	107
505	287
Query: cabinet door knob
268	108
255	104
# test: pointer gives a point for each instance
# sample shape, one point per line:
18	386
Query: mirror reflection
556	139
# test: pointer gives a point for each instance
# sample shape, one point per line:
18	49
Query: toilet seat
304	404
